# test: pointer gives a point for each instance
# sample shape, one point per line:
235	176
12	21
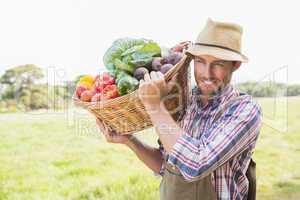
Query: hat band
218	46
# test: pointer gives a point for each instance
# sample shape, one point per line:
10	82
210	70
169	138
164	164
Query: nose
207	71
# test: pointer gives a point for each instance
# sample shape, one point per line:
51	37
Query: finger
99	121
160	79
160	75
103	127
172	82
141	87
107	135
112	134
153	75
141	82
104	130
147	77
185	44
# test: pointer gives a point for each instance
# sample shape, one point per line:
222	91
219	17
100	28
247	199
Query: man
207	155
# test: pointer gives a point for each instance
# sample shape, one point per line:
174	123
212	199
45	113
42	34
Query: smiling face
212	74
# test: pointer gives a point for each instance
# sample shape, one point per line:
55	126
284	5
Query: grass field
58	156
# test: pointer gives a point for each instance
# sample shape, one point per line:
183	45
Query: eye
219	64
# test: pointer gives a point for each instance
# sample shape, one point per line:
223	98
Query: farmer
208	154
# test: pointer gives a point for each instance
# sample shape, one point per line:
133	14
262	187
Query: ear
236	65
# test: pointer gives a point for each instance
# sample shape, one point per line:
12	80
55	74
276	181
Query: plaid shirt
223	148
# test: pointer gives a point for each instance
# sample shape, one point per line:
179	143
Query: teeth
208	82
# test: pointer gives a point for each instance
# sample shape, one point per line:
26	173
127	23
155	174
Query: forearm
149	155
168	130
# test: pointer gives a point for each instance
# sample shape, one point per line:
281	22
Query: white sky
73	35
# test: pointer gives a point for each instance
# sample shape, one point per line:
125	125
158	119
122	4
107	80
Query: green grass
278	150
63	156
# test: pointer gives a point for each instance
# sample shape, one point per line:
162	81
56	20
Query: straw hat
219	39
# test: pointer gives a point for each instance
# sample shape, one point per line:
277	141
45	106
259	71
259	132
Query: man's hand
151	92
111	136
149	155
153	88
181	46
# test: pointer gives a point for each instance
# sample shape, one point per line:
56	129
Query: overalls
174	187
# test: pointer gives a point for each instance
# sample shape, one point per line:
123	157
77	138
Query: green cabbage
127	54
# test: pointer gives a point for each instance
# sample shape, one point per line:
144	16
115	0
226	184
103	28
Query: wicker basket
126	114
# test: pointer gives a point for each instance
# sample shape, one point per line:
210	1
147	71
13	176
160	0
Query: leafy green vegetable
132	50
127	54
150	47
120	74
144	56
123	66
118	47
127	84
141	59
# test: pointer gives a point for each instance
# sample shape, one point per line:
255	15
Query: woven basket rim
113	101
132	109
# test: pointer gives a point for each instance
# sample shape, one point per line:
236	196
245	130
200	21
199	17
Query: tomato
98	86
102	81
86	95
107	79
96	97
80	89
110	92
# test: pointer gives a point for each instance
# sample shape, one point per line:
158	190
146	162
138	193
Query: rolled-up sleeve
231	134
163	151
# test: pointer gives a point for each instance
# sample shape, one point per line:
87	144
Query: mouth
209	83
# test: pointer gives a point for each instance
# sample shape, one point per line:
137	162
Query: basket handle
185	60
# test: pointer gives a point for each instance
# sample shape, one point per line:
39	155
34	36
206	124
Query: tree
293	90
20	78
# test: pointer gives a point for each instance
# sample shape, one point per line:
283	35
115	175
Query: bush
293	90
25	100
3	107
268	89
11	105
38	101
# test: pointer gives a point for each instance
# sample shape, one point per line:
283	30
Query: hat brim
224	54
